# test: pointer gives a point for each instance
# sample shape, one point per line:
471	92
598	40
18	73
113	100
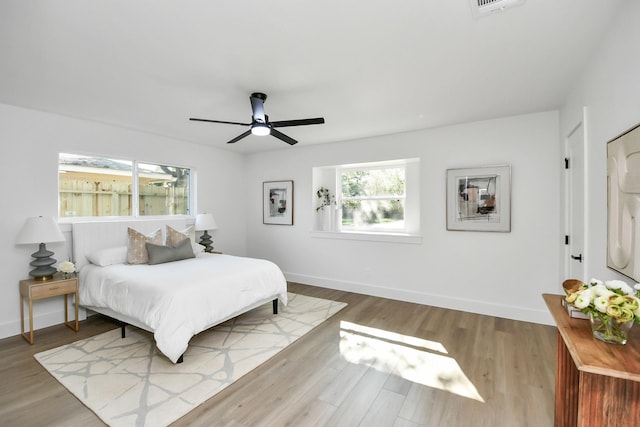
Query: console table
597	384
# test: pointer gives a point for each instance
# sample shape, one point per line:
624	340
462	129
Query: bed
174	300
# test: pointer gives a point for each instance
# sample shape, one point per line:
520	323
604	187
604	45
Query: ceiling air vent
482	8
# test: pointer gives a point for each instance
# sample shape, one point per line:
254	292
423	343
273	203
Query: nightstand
33	290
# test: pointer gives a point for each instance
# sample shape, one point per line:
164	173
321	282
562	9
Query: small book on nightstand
573	312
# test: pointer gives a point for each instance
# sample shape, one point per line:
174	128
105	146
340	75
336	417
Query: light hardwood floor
510	365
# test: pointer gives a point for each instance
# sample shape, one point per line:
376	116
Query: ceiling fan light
260	129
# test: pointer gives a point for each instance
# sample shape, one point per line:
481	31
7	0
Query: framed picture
623	203
479	199
277	205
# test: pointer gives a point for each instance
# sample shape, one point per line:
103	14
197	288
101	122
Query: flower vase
327	221
609	329
324	219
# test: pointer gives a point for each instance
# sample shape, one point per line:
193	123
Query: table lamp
206	222
41	230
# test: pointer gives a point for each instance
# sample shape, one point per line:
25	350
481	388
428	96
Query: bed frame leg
180	359
122	325
275	306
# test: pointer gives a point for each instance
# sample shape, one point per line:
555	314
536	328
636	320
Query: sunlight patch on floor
414	359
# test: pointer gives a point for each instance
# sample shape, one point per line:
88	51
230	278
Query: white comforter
179	299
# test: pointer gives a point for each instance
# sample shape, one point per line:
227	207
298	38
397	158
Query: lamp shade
205	222
40	229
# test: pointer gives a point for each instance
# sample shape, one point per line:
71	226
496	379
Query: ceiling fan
260	124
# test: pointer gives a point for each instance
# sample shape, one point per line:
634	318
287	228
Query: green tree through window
373	197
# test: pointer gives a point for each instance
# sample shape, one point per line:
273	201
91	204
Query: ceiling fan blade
239	137
220	121
281	136
301	122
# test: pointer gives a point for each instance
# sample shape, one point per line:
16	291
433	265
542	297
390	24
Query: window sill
371	237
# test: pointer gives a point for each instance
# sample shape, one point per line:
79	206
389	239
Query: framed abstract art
479	199
277	205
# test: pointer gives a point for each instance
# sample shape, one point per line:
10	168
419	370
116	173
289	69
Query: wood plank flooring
397	364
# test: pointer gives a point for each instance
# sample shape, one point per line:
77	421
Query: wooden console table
597	384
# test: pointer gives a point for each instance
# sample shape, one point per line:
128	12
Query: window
97	187
163	190
370	198
373	198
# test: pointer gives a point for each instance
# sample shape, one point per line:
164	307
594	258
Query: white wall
492	273
610	91
502	274
31	141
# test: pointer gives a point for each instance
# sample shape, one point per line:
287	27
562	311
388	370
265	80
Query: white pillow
108	256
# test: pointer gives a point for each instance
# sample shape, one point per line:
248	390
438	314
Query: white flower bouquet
66	267
612	306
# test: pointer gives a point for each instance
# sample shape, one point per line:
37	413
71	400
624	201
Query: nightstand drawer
52	289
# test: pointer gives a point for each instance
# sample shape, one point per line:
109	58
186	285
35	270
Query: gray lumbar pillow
159	254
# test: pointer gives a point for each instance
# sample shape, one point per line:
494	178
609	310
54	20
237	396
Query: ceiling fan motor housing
259	95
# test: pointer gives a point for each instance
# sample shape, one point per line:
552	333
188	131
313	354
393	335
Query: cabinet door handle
578	258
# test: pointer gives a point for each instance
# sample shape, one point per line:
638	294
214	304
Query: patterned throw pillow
136	245
174	237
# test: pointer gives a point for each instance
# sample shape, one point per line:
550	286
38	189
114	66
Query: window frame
136	186
135	190
340	197
330	177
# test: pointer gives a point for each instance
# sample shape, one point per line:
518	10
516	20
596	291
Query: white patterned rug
127	382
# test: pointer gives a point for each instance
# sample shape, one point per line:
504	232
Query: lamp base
42	264
206	241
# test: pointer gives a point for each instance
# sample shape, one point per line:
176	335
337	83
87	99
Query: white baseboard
498	310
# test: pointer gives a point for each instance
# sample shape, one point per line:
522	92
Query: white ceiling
369	67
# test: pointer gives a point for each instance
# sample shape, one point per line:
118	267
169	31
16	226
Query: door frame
582	123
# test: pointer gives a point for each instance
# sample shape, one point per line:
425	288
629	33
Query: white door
575	204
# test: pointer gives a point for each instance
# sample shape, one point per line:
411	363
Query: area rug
127	382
